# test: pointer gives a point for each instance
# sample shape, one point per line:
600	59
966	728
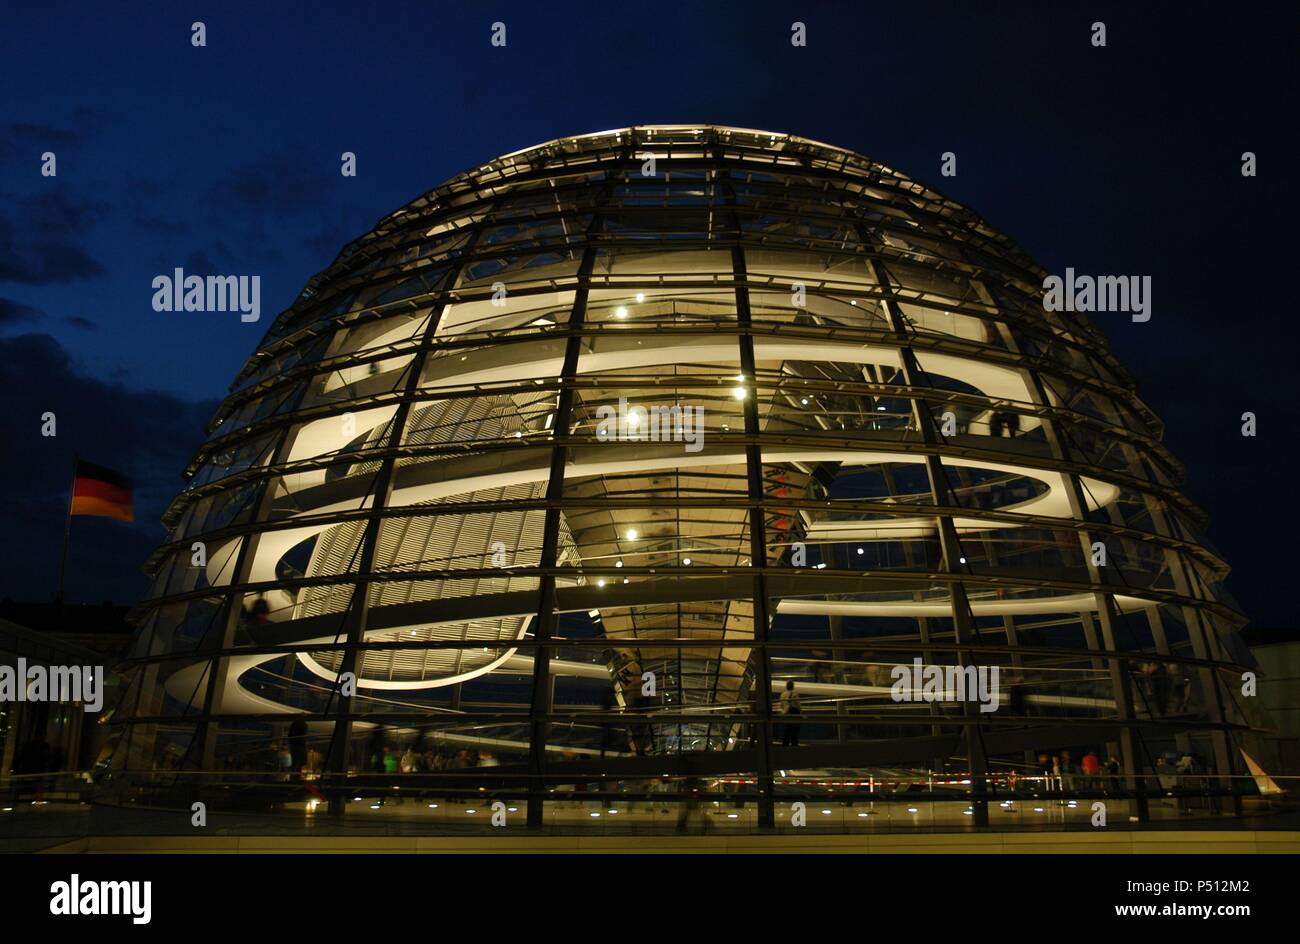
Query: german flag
100	491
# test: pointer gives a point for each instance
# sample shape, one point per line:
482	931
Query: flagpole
67	532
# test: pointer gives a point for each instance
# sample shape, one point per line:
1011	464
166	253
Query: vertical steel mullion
539	726
355	618
757	543
1199	634
240	572
1108	614
545	624
964	628
757	524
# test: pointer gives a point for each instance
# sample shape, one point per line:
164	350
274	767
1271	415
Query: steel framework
850	437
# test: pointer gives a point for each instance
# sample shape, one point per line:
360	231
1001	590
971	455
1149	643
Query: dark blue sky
226	159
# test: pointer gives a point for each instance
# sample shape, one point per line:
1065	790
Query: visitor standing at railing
790	708
1091	767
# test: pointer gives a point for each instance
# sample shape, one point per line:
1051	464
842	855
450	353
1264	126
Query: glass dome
592	450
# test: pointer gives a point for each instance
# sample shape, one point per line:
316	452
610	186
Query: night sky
225	159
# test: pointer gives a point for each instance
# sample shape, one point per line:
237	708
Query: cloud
147	435
12	312
44	135
34	138
277	185
200	263
143	198
326	242
41	239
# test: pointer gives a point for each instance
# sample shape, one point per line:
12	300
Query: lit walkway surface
1179	842
1029	825
654	453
